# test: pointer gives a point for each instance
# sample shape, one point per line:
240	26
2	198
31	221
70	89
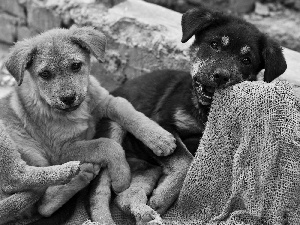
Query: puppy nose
69	99
221	76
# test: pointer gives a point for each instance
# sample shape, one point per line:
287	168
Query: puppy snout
221	76
68	99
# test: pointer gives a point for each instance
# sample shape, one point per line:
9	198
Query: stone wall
141	36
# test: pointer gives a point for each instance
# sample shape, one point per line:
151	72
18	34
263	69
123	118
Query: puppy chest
71	131
185	122
56	135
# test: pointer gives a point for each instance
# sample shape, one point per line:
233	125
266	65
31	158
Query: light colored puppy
51	117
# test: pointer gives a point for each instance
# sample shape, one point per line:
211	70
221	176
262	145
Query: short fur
51	117
227	50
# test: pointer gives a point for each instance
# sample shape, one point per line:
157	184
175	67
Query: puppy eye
46	75
246	61
75	67
214	45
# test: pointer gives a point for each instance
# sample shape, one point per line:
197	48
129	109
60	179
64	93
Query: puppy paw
120	176
20	180
162	198
146	215
89	171
104	221
88	222
157	221
56	196
160	141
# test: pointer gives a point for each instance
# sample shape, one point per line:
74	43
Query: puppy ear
92	40
195	20
19	59
274	60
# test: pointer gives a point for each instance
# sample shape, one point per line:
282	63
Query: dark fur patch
210	27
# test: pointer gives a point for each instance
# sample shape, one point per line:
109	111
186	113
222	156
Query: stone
261	9
288	3
282	27
41	18
242	7
213	4
24	32
293	67
4	91
297	5
13	7
8	28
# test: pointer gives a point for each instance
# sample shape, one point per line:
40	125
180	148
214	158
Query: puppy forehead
55	52
58	47
236	35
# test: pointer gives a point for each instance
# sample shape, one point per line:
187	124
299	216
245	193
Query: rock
262	10
4	91
13	7
242	6
294	4
213	4
282	27
177	5
297	5
24	32
7	81
41	18
292	74
8	29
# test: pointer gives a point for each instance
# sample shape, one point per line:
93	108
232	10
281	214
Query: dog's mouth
72	108
204	92
68	109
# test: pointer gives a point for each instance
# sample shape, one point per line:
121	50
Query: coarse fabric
247	166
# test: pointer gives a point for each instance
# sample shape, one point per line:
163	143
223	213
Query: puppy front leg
160	141
104	152
100	199
101	187
134	199
57	196
17	176
175	168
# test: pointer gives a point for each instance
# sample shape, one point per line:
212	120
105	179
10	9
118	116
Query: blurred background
142	35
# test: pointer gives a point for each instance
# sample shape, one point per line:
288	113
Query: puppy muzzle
204	92
71	108
69	103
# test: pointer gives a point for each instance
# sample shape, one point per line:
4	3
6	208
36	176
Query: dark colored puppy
227	50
